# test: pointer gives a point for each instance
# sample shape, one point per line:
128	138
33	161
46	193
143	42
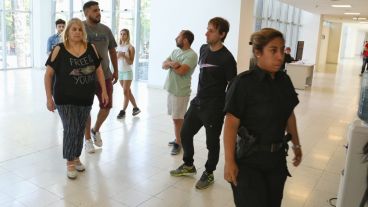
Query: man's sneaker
136	111
172	143
79	166
176	149
89	146
121	114
205	181
96	138
184	170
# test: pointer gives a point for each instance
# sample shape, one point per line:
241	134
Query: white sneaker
89	146
79	167
96	138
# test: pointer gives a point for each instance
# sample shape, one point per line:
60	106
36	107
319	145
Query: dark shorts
109	88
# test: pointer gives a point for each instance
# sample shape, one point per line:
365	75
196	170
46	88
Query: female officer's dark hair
261	38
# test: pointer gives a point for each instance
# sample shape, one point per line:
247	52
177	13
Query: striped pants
74	122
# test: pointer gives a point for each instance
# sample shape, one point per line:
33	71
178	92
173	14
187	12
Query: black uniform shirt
216	70
262	104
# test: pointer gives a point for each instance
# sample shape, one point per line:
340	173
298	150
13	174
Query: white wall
169	17
41	31
323	46
309	34
334	43
246	27
352	42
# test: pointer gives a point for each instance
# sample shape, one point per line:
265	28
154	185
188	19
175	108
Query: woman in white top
125	53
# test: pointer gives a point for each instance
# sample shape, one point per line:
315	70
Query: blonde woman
76	66
125	55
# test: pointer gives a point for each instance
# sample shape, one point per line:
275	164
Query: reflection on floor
132	168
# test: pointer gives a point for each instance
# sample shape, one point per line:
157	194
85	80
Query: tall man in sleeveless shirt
101	36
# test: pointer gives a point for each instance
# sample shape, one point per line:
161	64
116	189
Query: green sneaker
205	181
184	170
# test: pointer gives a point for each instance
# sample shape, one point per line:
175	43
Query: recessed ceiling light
341	6
362	18
351	13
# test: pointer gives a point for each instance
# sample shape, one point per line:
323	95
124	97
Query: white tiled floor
132	168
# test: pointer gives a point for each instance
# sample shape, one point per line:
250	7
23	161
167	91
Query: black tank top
75	77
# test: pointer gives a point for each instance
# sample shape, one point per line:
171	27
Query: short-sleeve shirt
262	104
179	85
101	36
365	50
217	68
75	77
53	41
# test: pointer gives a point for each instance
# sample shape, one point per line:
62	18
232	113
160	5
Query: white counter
300	74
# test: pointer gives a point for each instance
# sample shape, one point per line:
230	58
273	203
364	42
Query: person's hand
50	104
105	98
115	77
231	172
297	156
121	54
175	65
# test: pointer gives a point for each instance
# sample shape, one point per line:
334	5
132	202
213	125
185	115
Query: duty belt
275	147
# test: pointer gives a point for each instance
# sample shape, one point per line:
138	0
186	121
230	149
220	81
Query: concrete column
41	13
246	27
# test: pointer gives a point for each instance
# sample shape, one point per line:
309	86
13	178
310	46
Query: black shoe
172	143
176	149
184	170
121	114
136	111
205	181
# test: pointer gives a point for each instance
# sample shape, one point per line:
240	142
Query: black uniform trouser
364	66
212	119
260	186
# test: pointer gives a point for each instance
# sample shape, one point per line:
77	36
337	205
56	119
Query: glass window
145	16
284	12
1	44
18	39
62	9
78	6
125	18
17	49
62	5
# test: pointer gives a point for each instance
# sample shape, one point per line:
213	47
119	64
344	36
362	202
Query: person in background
76	67
101	36
126	54
365	58
287	58
180	66
260	110
56	38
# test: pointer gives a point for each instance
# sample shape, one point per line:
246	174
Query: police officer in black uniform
261	102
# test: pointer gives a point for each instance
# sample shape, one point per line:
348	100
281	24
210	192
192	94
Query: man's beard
96	20
179	45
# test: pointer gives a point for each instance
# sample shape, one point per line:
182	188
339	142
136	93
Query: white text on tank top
123	65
